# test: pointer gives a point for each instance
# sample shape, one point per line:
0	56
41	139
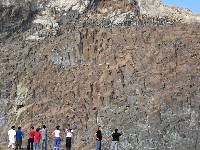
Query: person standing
69	134
37	138
57	138
30	138
98	138
19	136
115	140
11	136
44	137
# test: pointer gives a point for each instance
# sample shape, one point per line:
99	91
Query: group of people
36	137
39	136
114	143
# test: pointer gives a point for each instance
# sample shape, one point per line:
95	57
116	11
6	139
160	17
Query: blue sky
194	5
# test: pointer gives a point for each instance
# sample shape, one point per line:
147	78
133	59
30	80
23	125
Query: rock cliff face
118	64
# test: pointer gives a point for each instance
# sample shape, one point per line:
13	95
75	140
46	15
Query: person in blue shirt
19	136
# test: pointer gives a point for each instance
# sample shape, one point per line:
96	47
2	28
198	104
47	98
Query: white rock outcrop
157	8
150	7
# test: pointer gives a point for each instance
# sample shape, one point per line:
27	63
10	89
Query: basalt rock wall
144	81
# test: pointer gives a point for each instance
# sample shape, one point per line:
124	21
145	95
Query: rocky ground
110	63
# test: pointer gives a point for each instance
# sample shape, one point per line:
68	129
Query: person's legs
31	143
42	144
20	144
35	146
9	144
45	148
112	145
28	144
17	144
55	144
13	145
58	143
116	145
68	143
98	145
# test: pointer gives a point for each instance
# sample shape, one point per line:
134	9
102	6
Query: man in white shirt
69	138
12	135
57	138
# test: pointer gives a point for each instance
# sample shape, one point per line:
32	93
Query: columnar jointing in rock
109	63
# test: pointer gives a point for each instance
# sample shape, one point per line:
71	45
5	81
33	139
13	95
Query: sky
193	5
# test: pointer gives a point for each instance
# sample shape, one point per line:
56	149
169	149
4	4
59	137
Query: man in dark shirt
115	140
19	136
98	138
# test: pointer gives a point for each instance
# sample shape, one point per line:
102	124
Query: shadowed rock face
109	65
14	18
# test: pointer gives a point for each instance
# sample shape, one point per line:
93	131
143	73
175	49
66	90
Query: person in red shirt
30	138
37	137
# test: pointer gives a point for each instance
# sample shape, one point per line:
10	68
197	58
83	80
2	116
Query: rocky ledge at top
43	18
